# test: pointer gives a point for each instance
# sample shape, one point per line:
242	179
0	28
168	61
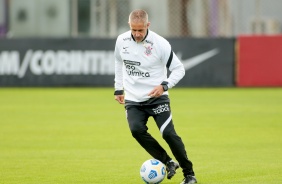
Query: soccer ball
152	171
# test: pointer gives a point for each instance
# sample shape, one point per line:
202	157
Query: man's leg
137	120
163	119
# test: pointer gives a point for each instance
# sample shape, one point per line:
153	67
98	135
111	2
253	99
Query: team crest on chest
148	49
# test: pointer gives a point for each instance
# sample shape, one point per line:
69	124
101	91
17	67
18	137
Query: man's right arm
118	75
119	98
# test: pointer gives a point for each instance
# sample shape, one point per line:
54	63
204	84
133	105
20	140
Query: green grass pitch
80	135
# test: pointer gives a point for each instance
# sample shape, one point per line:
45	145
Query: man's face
138	30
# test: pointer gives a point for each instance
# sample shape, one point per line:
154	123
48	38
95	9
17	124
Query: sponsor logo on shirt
133	71
150	42
132	62
127	39
125	50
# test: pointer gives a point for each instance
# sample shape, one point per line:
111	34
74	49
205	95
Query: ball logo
143	168
154	162
163	171
152	174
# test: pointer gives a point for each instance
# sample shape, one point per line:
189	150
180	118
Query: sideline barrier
56	62
209	62
259	61
90	62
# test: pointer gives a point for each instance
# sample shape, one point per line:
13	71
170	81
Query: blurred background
223	43
108	18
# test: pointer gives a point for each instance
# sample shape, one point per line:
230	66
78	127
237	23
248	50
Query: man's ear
148	24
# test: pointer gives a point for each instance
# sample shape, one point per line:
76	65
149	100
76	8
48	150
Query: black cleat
171	167
189	180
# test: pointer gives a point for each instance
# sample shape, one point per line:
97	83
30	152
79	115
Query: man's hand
119	98
157	91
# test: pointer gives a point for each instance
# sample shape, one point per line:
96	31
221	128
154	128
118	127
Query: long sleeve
172	63
177	71
118	68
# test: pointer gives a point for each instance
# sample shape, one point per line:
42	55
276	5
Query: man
141	83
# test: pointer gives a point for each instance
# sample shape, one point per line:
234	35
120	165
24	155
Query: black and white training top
139	67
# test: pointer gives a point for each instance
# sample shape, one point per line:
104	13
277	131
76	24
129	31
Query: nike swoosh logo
196	60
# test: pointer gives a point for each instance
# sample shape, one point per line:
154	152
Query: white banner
61	62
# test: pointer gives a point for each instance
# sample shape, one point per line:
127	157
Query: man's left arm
177	70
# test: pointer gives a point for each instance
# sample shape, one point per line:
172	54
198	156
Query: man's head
138	23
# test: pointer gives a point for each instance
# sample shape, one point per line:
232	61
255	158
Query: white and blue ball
152	171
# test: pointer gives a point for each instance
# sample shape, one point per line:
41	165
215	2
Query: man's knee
168	134
138	132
